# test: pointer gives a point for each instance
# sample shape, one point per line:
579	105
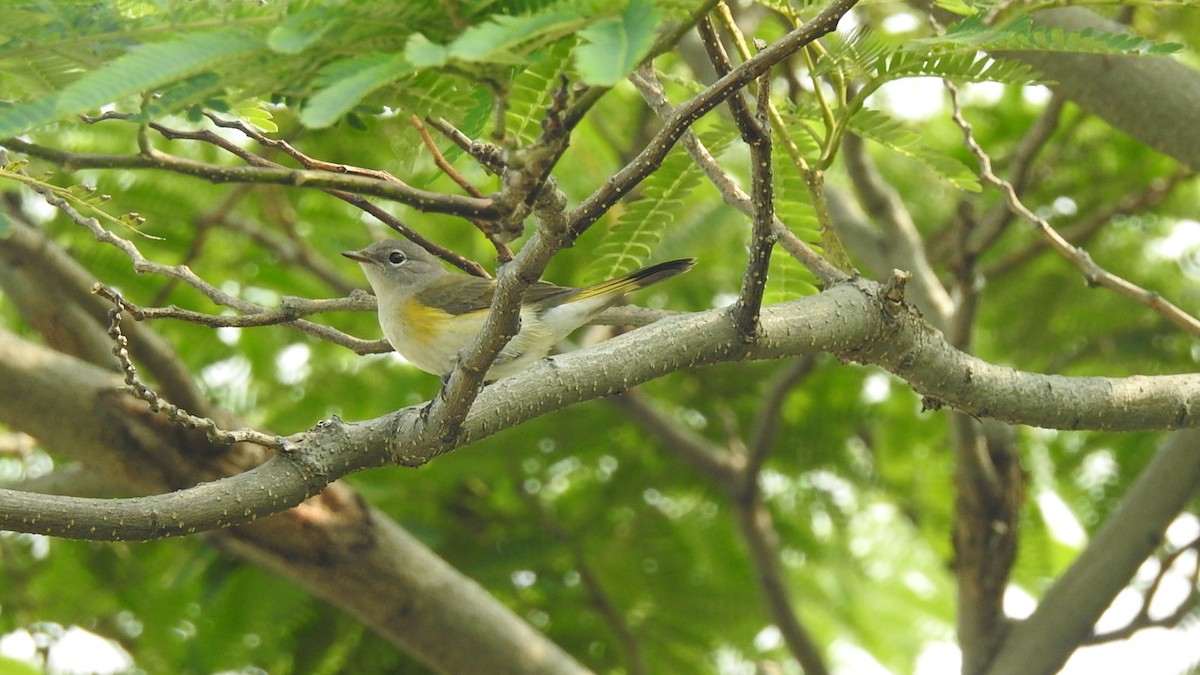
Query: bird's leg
441	395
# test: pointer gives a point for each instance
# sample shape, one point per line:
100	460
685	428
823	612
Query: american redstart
430	314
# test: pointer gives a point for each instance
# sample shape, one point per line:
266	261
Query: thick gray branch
853	321
337	547
1066	615
1148	98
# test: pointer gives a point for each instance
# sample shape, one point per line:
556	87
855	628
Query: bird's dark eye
397	257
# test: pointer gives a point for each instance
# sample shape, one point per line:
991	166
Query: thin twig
292	309
291	151
755	132
1149	197
599	597
682	442
1020	171
755	129
288	249
652	92
140	390
1142	619
725	14
529	188
440	159
1093	274
503	252
739	478
423	200
489	156
349	183
674	127
742	117
182	273
766	423
668	39
762	178
352	198
905	248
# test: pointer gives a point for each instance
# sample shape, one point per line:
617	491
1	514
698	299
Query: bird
430	314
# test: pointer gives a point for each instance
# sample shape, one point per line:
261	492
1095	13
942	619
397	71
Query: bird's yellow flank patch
423	323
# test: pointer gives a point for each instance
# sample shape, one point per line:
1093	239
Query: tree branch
904	249
431	202
737	476
1020	169
68	283
334	545
1184	607
652	92
590	210
989	495
756	132
855	321
1142	96
1093	274
1065	617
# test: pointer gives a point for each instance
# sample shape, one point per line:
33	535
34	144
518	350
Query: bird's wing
458	294
462	294
546	294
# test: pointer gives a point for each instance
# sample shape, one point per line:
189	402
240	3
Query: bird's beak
357	256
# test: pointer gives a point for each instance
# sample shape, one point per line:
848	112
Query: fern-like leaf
882	129
630	240
613	47
857	54
960	67
302	30
789	279
530	93
347	82
1021	34
799	125
501	39
153	65
143	69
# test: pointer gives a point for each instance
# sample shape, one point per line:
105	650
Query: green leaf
614	47
1021	34
956	6
300	31
789	279
142	69
859	52
154	65
349	81
630	240
422	53
254	113
502	39
882	129
960	67
531	91
21	117
179	96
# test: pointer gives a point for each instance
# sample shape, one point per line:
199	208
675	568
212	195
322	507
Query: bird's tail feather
647	276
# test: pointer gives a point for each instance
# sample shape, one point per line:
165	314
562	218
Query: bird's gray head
396	264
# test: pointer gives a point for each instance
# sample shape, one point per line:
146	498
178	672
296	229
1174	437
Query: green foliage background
860	485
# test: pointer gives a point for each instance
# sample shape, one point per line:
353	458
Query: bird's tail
638	279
